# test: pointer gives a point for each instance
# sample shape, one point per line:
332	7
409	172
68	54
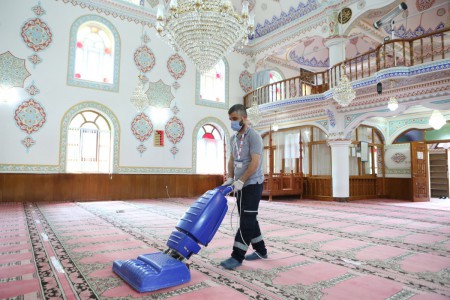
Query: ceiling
309	52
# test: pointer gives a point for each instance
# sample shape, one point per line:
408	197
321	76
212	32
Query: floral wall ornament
32	90
36	34
176	66
331	118
398	157
245	81
142	129
30	117
174	131
13	71
144	59
159	94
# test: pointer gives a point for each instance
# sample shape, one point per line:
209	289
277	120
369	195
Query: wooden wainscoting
86	187
318	187
365	187
399	188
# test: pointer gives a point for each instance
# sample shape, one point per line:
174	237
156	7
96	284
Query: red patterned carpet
318	250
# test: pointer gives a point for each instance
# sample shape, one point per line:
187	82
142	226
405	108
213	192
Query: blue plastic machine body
198	225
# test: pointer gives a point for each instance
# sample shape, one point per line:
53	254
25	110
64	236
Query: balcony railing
394	53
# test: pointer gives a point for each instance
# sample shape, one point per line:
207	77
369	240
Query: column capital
339	142
335	40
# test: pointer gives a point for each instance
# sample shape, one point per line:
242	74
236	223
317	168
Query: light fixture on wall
437	120
139	99
392	103
275	125
344	93
206	30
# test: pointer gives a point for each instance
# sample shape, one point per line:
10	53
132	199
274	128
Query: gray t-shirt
241	148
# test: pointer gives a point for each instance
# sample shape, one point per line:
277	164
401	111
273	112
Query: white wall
57	97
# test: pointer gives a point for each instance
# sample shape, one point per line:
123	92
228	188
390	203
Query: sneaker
230	263
255	255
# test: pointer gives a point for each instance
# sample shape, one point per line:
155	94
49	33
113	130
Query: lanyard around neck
241	144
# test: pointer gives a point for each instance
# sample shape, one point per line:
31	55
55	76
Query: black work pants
249	232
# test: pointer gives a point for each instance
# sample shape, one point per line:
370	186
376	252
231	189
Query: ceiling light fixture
392	103
437	120
206	30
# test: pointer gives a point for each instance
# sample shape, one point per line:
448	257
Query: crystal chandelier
253	113
139	99
392	103
437	120
275	125
344	93
206	30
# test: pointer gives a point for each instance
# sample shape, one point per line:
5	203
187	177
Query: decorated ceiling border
116	9
294	29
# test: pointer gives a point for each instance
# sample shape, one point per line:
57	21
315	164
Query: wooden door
419	171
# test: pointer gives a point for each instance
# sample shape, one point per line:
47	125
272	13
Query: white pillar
340	166
336	49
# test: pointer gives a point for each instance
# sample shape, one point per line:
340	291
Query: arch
198	126
71	80
100	108
211	103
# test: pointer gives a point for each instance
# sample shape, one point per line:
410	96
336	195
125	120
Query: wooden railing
400	52
283	184
366	187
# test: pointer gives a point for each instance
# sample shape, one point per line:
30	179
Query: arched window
288	144
89	144
276	91
94	57
212	86
210	150
366	152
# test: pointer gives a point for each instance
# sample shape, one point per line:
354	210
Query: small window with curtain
210	150
89	144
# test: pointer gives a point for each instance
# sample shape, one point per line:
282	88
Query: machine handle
224	189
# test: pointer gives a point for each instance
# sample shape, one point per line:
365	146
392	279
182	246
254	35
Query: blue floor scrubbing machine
198	225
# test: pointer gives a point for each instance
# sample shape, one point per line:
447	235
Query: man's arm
251	167
230	167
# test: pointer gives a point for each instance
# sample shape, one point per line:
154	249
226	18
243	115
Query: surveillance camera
387	18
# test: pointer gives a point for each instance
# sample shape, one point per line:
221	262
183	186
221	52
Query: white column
336	49
340	166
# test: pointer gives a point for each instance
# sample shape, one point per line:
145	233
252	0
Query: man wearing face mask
245	174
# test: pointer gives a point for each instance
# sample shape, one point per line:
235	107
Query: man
245	174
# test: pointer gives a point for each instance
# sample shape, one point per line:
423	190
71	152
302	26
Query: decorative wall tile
36	34
144	59
159	94
176	66
142	129
13	71
331	118
245	81
30	116
174	130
